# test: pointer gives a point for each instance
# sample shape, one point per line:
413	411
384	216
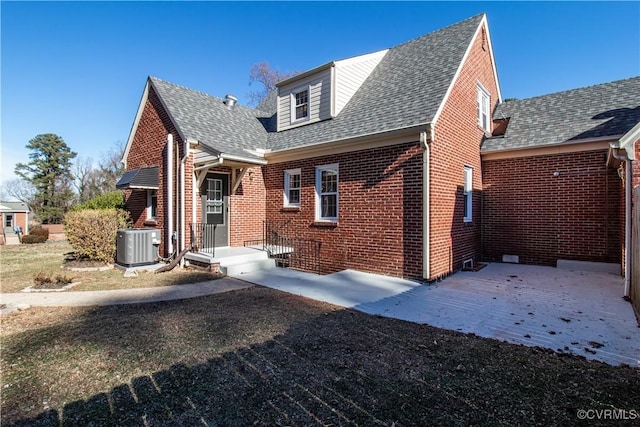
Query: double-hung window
468	194
484	119
292	188
327	192
300	105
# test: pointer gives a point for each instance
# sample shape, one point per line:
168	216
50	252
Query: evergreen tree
49	171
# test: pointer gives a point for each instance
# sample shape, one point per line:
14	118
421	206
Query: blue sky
78	69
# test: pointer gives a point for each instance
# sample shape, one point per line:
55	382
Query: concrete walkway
576	312
569	311
120	296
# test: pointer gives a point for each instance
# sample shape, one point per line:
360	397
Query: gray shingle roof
609	109
14	207
207	119
404	90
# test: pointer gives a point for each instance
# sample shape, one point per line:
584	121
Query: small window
468	193
327	192
300	103
484	118
152	204
292	187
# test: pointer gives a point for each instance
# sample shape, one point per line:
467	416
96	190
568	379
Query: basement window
292	188
468	194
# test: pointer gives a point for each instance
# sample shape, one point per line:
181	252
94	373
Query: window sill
150	223
290	209
325	224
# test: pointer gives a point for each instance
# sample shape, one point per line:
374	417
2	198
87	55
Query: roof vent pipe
230	101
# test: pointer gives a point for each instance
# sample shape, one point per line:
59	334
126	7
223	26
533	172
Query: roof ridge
576	89
439	30
199	92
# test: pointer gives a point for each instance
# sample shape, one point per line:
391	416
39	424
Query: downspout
183	199
627	219
426	137
169	200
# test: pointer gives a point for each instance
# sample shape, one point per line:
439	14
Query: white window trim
150	194
287	181
292	102
319	169
468	193
484	107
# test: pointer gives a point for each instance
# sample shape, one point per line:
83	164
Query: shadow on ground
328	367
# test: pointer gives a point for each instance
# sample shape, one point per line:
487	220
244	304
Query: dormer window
300	102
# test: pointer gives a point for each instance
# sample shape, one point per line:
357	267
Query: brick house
391	160
13	214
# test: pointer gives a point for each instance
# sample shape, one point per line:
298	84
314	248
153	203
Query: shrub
110	200
92	233
40	231
32	238
43	280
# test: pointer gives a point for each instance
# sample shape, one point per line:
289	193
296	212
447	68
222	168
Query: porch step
253	260
235	261
248	267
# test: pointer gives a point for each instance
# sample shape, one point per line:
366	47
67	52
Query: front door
215	208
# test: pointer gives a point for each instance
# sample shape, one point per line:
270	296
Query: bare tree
18	189
267	77
83	175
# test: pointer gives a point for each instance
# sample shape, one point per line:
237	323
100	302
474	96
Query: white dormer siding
350	74
330	87
319	107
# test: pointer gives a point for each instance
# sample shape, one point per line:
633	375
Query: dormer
321	93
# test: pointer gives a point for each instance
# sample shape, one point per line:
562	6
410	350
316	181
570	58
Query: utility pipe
169	201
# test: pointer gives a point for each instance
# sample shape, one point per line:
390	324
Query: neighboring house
14	214
389	159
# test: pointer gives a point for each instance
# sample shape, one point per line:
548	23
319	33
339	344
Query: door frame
226	203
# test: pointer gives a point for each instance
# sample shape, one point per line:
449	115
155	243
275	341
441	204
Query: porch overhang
139	179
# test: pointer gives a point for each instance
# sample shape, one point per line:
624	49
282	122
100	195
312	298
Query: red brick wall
148	149
542	218
380	209
456	145
248	208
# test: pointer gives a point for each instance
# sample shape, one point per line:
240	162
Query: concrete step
248	267
12	239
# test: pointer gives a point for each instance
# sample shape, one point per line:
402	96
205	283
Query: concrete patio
569	311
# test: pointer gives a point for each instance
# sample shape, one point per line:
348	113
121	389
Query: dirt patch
261	357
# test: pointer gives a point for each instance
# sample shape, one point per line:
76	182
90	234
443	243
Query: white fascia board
241	159
136	122
627	141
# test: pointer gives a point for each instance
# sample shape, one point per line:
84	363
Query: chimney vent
230	101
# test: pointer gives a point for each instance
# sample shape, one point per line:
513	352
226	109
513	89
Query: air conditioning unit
137	246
